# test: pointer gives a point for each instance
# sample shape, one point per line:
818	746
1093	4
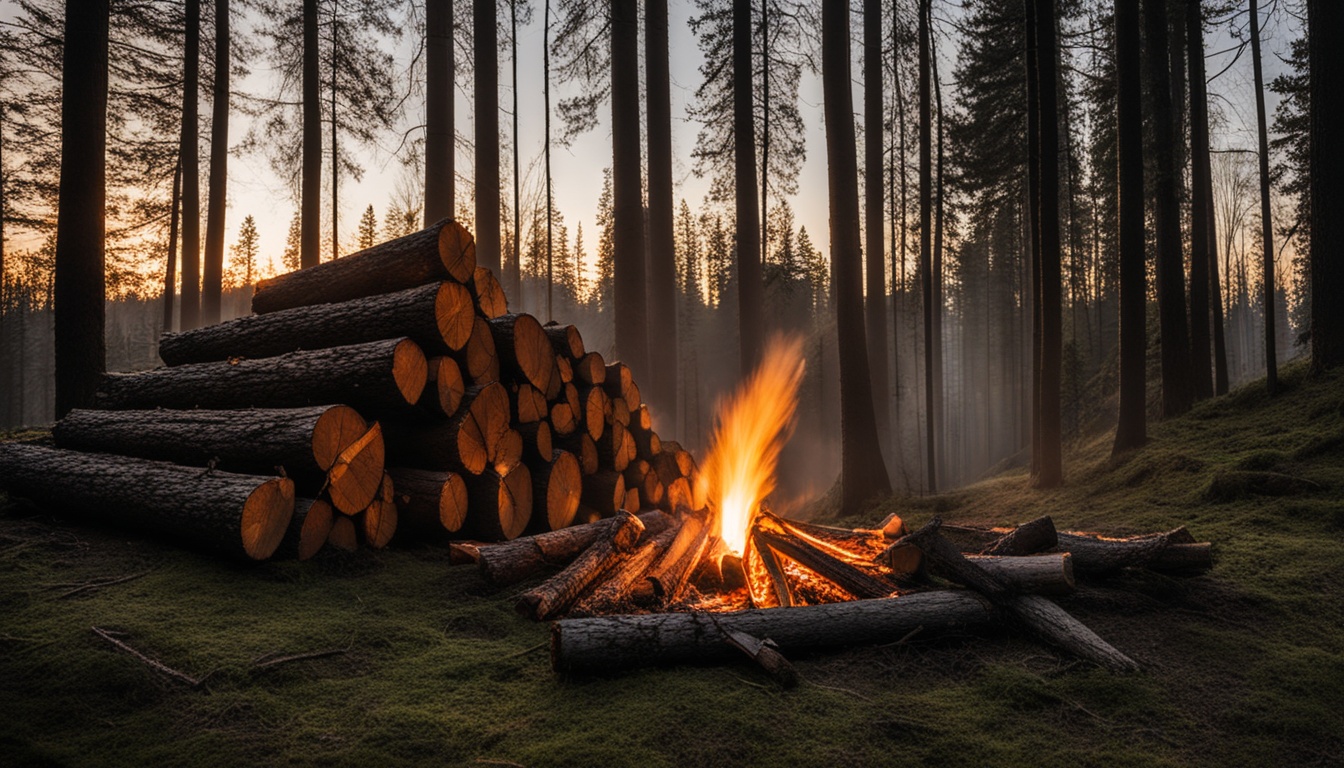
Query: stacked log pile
659	589
387	395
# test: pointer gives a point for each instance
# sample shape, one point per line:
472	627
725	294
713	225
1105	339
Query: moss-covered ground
1243	666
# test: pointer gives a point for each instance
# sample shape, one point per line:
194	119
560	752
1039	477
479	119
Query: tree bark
751	318
608	644
212	276
381	376
632	335
487	133
443	251
467	442
524	350
242	516
440	134
170	271
79	290
558	593
1131	428
1325	28
662	289
438	317
876	302
511	562
310	191
863	472
926	240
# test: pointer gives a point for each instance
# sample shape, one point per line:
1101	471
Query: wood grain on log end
266	515
457	250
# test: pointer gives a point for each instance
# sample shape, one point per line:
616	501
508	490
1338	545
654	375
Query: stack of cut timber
387	394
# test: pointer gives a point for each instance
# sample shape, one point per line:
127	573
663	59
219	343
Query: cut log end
410	370
378	521
336	429
357	475
314	528
563	487
444	390
455	313
453	503
457	250
518	486
490	297
266	515
343	536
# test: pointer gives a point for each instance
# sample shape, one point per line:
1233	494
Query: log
508	452
308	530
356	475
468	442
1027	539
490	298
677	495
511	562
611	595
565	368
628	447
780	589
528	404
611	448
524	351
557	384
378	521
564	423
593	404
601	645
1094	555
766	655
380	377
641	418
537	444
620	411
619	381
590	369
1050	574
444	388
604	491
444	251
566	340
492	512
343	536
478	359
557	594
647	444
631	503
243	516
518	481
556	488
437	316
584	449
429	504
667	579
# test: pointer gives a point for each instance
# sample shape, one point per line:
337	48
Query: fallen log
556	488
343	536
1027	539
378	521
614	591
511	562
444	388
308	529
491	300
566	340
478	358
467	442
429	504
492	512
524	351
606	644
1048	574
766	655
437	316
242	516
380	377
1095	555
442	251
604	491
557	594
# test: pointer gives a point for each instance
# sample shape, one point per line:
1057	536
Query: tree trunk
212	287
381	376
514	274
1266	219
863	472
1032	293
1325	28
1131	428
170	271
632	337
443	251
189	316
926	236
599	645
440	133
243	516
438	317
751	317
1177	394
1202	249
546	150
310	192
1049	470
79	289
876	301
487	133
663	366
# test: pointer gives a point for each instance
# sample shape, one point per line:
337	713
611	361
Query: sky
255	190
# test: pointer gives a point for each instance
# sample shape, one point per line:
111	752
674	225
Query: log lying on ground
437	316
511	562
343	536
494	514
441	252
308	529
478	359
429	504
378	521
379	377
1174	552
1045	619
849	578
557	594
1029	538
242	516
605	644
1049	574
557	486
667	579
611	594
524	350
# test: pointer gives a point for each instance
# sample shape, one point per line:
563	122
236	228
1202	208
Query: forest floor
1243	666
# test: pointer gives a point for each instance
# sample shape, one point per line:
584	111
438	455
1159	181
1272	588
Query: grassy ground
1244	666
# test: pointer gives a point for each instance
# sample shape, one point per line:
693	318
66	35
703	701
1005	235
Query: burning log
843	575
667	579
509	563
437	316
429	504
556	488
1047	620
308	529
378	521
779	581
443	251
381	376
555	595
445	388
606	644
524	350
243	516
489	294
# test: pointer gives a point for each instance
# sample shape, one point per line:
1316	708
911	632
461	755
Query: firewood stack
659	588
386	395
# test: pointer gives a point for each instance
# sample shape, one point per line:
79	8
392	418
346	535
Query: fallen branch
258	665
153	664
100	584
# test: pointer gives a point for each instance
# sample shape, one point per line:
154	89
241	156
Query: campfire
734	578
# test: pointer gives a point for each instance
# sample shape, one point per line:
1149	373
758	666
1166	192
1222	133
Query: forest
983	260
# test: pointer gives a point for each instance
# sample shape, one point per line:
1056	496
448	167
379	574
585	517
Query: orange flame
751	428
